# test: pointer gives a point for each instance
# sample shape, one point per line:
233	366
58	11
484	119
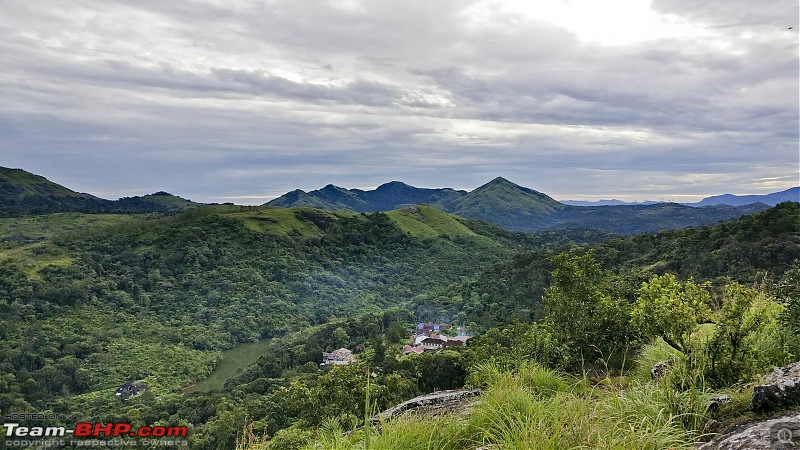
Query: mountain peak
501	181
392	185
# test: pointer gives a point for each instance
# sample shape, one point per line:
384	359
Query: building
428	337
340	357
128	390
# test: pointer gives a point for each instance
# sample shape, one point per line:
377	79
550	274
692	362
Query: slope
506	204
163	295
517	208
745	250
23	193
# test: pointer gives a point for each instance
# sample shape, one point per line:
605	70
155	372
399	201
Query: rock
779	389
437	403
711	427
660	369
777	433
714	403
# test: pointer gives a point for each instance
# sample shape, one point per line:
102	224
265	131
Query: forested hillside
23	193
82	309
518	208
754	248
92	301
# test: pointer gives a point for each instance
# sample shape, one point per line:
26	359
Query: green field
233	361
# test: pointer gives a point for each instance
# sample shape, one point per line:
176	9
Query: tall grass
517	413
533	407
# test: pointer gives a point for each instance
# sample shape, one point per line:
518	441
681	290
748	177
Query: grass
233	361
427	222
282	221
16	231
533	407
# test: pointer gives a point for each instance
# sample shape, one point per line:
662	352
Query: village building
428	337
128	390
340	357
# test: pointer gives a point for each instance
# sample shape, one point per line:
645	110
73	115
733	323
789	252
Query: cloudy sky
243	100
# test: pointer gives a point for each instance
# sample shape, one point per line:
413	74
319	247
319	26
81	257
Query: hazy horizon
594	198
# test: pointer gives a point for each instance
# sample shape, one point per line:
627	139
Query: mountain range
518	208
499	202
789	195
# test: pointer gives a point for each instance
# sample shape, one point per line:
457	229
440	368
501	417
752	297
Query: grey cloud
254	97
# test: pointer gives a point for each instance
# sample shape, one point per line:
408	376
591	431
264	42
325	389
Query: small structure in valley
340	357
128	390
428	337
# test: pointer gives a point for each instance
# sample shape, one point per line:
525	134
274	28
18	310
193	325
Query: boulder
777	433
714	403
779	389
660	369
436	403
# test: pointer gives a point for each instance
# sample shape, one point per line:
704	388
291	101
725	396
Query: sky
243	100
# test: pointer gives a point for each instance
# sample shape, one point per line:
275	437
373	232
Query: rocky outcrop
660	369
436	403
779	389
777	433
715	403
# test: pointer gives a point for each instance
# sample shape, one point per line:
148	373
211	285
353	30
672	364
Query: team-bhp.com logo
36	436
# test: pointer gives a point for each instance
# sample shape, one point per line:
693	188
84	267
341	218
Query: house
415	349
429	337
427	329
434	343
128	390
340	357
458	341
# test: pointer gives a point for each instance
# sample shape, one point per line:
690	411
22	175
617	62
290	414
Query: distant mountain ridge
517	208
612	202
789	195
386	197
22	193
499	202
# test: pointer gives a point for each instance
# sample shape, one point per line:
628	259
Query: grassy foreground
531	407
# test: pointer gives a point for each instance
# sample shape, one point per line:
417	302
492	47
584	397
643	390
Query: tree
339	338
731	353
580	311
788	292
670	309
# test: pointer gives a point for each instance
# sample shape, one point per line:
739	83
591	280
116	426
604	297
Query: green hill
17	184
507	205
748	250
23	193
203	281
517	208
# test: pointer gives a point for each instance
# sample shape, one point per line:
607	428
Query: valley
224	312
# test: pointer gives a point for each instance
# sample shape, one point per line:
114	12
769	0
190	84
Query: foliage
732	355
517	343
670	309
508	416
788	292
740	250
581	312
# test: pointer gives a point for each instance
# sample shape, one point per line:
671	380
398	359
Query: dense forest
92	301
